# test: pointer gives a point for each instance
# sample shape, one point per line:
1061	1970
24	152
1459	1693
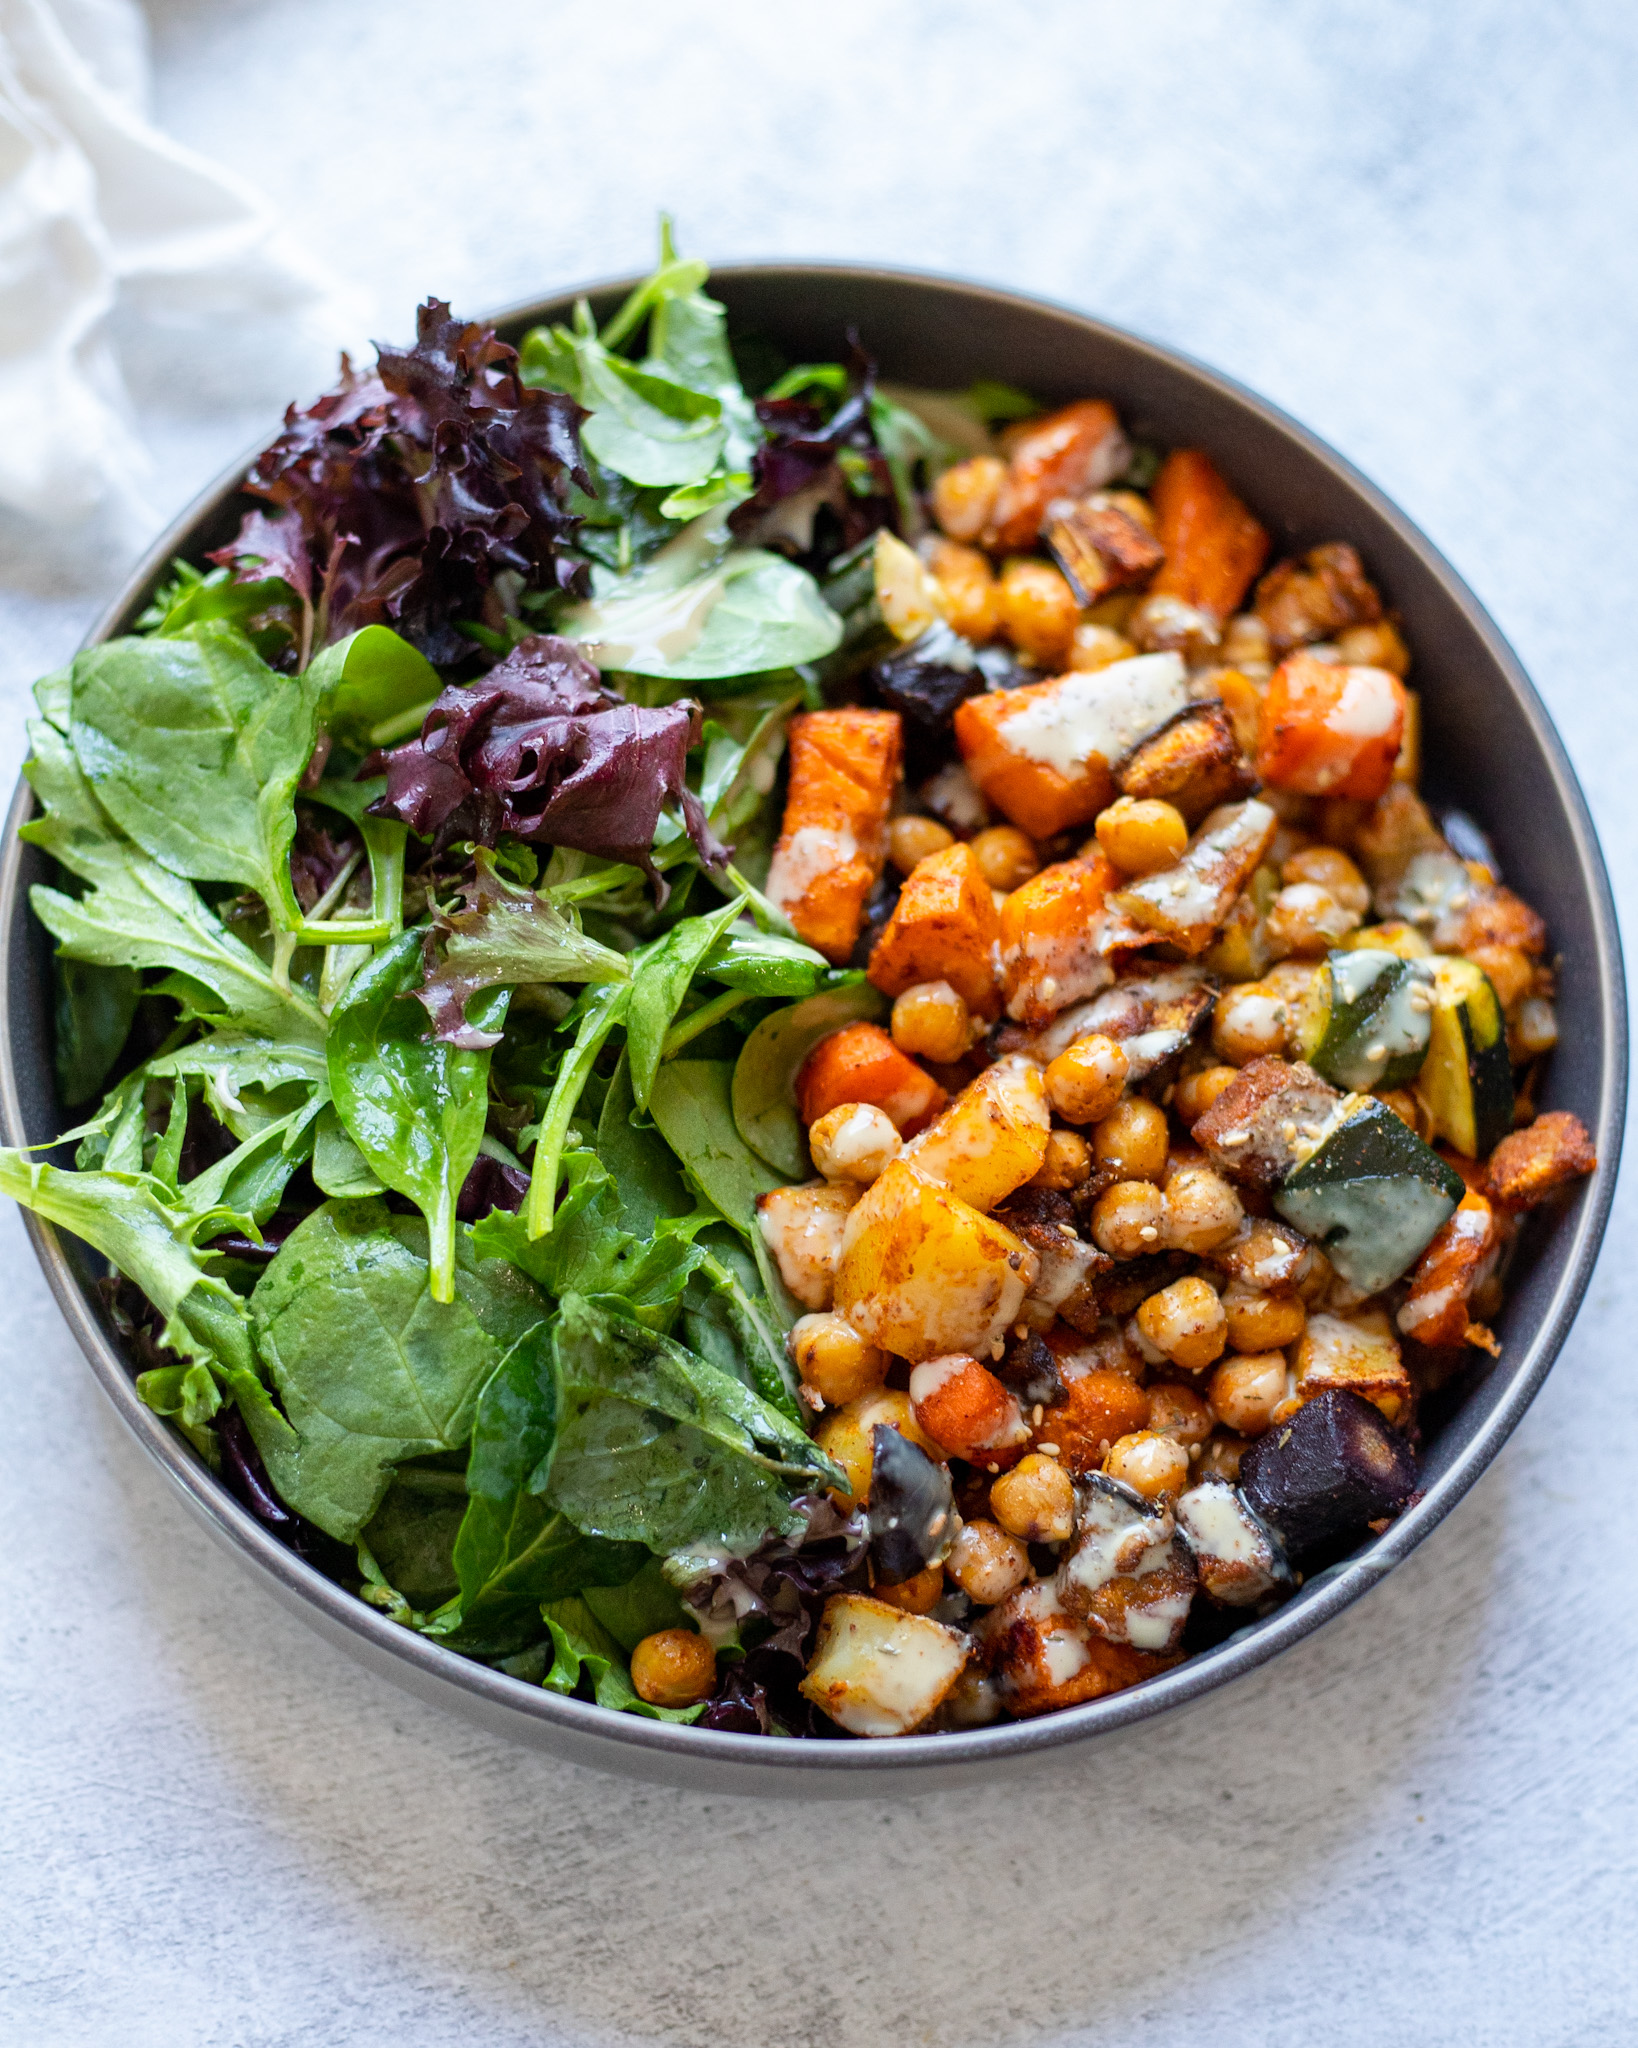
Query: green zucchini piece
1371	1193
1365	1020
1467	1078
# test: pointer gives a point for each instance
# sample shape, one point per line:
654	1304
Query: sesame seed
1148	1232
1047	1450
1036	1413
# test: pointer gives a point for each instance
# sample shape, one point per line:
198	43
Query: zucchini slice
1365	1019
1370	1192
1467	1079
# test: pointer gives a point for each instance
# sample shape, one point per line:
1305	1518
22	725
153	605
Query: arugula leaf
584	1648
514	1550
369	685
229	1062
93	1011
138	914
194	747
764	1083
369	1367
659	983
655	1446
414	1108
509	936
692	1104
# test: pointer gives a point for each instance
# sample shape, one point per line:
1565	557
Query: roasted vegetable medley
783	1052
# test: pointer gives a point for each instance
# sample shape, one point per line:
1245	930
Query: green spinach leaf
583	1648
638	1606
764	1085
692	1104
415	1108
373	688
647	1178
93	1010
659	983
412	1535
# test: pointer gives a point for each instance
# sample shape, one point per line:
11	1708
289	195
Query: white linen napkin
96	206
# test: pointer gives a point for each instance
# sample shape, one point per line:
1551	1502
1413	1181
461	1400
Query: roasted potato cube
1043	1659
1316	598
1356	1354
1049	955
860	1063
802	1227
1527	1165
878	1671
845	766
1194	765
923	1273
1188	902
944	927
1074	450
991	1139
1045	754
1214	546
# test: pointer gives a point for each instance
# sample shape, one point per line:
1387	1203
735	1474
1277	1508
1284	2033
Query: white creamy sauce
1116	1539
1104	713
1151	1625
1218	1525
800	860
934	1373
1064	1655
862	1143
1198	890
1368	706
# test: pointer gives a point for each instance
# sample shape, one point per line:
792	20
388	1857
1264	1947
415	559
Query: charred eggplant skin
912	1507
1320	1477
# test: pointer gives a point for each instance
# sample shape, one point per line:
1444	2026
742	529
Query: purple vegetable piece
246	1475
538	747
912	1507
1320	1477
491	1184
799	453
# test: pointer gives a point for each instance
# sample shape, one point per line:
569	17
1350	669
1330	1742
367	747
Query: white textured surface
1413	227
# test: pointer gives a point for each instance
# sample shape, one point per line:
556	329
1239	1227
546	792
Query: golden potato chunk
878	1671
992	1138
802	1227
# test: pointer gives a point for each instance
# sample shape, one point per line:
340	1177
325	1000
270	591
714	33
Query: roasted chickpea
1005	856
932	1022
1132	1139
1035	1501
854	1141
1128	1219
967	581
910	839
1185	1323
1179	1412
1095	647
1245	1391
1221	1459
1149	1464
1378	646
833	1360
1308	921
1068	1162
1246	642
1250	1022
1037	611
964	496
987	1563
915	1595
1334	872
1084	1084
1202	1210
675	1668
1195	1092
1262	1322
1141	835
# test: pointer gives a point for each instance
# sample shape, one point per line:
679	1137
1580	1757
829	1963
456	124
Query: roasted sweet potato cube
1252	1131
1527	1165
860	1063
1043	1659
1214	545
1195	764
1045	754
923	1273
1186	903
1068	453
1099	1408
876	1670
1317	597
1049	952
1455	1265
844	768
1330	730
944	927
1101	548
991	1139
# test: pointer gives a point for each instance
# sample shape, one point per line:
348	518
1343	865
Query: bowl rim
521	1708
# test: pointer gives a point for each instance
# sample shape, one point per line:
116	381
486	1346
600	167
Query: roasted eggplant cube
1128	1575
1238	1556
1318	1479
912	1508
1371	1193
1366	1019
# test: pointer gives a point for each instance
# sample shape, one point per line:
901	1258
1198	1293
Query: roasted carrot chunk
860	1063
1460	1258
1049	956
1075	450
1098	1409
944	927
1527	1165
1045	754
1329	730
1214	544
845	766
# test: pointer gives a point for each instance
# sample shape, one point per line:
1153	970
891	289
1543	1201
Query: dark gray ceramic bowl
1489	747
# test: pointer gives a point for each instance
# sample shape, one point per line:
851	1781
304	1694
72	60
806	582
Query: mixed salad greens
414	1143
